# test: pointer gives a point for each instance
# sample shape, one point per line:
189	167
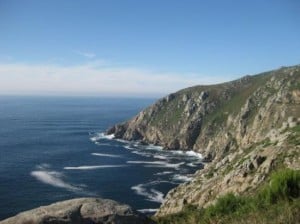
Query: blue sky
130	47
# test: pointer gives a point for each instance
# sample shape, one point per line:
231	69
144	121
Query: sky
141	48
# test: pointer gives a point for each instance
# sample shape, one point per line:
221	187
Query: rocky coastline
246	129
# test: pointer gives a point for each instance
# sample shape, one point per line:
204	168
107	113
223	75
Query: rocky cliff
245	128
80	211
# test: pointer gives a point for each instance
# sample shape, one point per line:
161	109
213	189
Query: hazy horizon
154	95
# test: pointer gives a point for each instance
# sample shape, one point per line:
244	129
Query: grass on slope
276	202
239	98
294	138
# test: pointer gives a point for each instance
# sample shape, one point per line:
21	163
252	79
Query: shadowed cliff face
246	129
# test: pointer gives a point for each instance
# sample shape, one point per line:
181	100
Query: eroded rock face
242	128
80	211
198	118
239	173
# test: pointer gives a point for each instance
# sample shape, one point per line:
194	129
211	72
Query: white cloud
92	78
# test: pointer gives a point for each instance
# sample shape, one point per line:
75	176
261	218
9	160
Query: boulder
80	211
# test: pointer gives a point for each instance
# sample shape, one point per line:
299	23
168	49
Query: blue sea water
53	149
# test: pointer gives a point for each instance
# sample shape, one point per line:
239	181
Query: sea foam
105	155
92	167
151	195
148	210
56	179
189	153
182	178
53	178
99	136
159	164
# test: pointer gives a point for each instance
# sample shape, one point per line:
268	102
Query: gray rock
80	211
185	98
170	97
203	95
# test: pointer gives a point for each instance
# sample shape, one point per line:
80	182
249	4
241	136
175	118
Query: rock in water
80	211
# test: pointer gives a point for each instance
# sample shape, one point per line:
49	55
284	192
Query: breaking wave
141	153
148	210
182	178
187	153
105	155
55	179
153	147
99	136
191	165
128	147
158	164
92	167
140	149
160	157
163	173
151	195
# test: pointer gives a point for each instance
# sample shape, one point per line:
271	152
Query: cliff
246	129
214	119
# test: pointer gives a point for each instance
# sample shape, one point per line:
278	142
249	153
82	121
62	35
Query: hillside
214	119
245	129
276	201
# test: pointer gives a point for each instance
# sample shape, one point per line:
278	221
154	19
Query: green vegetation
225	205
295	85
276	202
171	113
296	129
168	114
267	142
294	137
238	99
284	185
228	169
210	173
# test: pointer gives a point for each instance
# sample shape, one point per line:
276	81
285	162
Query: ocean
54	148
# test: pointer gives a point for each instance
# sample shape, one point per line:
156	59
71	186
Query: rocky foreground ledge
80	211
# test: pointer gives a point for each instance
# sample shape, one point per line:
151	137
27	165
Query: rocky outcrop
240	173
216	119
245	128
80	211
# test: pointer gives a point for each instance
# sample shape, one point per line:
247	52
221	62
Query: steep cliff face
240	173
245	128
214	120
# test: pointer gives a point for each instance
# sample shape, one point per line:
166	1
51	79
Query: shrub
276	202
226	204
284	185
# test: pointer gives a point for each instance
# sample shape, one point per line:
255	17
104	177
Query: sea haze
53	148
